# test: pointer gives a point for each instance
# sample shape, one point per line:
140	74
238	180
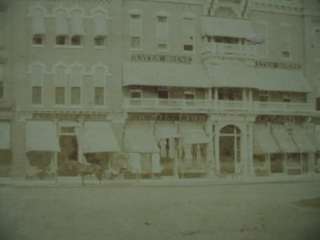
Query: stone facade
182	88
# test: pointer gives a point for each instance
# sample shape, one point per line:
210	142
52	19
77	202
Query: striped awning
264	142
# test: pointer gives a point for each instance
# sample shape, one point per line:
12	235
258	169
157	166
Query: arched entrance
229	144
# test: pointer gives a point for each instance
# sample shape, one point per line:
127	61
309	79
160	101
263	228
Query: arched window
38	26
77	30
100	74
76	78
101	28
62	27
37	71
60	83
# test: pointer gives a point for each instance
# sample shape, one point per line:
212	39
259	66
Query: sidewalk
161	182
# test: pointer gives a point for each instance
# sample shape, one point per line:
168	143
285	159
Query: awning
281	80
41	136
165	74
302	139
194	134
264	142
213	26
284	140
232	75
99	137
139	138
166	130
5	135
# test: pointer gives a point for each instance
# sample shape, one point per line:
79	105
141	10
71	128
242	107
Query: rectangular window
135	93
162	32
61	40
1	90
60	95
100	41
163	94
38	39
135	42
36	95
188	32
318	104
99	95
75	95
135	30
76	40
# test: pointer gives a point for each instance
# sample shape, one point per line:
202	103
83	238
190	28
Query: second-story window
101	29
1	82
36	95
75	95
162	32
77	30
38	26
99	96
60	95
62	28
318	104
135	30
286	41
1	89
36	80
188	34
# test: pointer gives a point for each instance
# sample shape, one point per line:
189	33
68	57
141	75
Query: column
210	159
249	149
216	104
311	163
217	150
20	161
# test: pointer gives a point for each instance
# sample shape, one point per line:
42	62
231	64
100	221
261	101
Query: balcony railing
230	49
200	105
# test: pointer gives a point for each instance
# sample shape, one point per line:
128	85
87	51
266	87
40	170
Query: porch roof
165	74
282	80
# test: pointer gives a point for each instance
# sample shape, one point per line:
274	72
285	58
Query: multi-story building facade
161	87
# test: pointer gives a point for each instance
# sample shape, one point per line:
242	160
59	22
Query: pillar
210	158
217	150
216	98
19	158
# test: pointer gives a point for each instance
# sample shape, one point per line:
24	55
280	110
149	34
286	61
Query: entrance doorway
229	149
69	155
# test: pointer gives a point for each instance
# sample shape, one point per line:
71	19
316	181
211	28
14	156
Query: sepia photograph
159	119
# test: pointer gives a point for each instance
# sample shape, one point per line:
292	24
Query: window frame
95	96
64	96
40	103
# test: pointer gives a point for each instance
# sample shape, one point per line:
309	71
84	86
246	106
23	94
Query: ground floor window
294	163
5	163
277	161
260	165
39	164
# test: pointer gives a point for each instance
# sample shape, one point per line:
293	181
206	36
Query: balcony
206	106
227	49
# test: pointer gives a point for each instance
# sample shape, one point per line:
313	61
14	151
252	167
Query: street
211	211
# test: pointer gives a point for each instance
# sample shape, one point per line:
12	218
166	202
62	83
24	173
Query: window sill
38	46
